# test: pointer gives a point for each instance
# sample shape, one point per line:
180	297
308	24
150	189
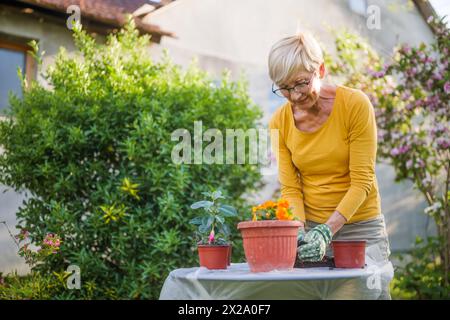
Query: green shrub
94	153
422	277
34	286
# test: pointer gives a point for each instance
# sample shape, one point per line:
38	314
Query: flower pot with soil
212	231
270	239
213	256
230	251
349	253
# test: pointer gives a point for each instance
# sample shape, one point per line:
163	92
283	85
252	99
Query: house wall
49	35
238	34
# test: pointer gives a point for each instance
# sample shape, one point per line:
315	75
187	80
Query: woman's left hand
315	243
301	236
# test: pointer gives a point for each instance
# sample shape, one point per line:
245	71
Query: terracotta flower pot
213	256
270	244
230	248
349	253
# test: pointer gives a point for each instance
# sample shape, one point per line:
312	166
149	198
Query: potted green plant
213	232
270	238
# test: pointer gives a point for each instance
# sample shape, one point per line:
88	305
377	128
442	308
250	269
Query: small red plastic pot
349	253
230	248
213	256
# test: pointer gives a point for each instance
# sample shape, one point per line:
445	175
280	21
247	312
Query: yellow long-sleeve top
332	168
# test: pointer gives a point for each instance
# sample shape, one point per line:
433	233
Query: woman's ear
322	71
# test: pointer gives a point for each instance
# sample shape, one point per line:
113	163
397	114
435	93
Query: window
13	55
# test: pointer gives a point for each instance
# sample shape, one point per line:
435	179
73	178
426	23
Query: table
237	282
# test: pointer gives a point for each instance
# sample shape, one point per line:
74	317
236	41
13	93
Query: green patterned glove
301	236
317	241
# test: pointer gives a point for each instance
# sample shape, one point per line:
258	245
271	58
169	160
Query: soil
327	262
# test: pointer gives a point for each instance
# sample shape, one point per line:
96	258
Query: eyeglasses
298	88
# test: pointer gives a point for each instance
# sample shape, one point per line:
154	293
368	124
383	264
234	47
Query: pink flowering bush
35	285
48	246
410	94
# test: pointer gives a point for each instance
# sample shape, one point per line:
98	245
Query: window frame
30	65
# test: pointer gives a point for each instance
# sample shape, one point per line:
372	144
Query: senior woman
326	153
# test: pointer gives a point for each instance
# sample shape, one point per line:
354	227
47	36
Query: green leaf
220	219
205	225
228	211
196	221
203	228
201	204
209	221
217	195
225	230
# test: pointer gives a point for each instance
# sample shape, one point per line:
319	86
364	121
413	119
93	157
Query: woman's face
310	84
309	93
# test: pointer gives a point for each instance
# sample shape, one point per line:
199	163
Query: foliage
93	151
34	286
422	277
212	228
271	210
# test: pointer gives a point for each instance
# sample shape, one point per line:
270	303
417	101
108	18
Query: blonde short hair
294	54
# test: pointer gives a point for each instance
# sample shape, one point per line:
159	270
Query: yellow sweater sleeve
362	137
288	175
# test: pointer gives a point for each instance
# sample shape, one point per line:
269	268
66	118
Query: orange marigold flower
269	204
281	213
283	203
272	210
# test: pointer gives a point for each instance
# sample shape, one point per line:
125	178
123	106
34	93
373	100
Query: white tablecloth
237	282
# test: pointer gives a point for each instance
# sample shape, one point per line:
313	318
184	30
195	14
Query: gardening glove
301	236
315	243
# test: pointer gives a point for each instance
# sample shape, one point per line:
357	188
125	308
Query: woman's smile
302	100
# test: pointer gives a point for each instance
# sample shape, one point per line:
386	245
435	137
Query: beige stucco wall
49	35
244	30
